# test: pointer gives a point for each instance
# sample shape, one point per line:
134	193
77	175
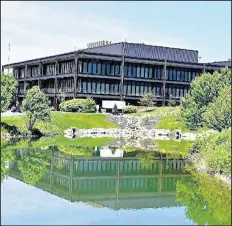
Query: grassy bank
169	117
60	121
158	111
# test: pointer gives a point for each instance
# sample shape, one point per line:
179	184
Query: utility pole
9	54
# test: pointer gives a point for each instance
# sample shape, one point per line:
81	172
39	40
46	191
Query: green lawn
159	111
169	118
172	123
61	121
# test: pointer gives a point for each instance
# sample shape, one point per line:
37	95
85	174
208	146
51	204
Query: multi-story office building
119	71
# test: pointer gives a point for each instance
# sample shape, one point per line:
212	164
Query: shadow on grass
13	130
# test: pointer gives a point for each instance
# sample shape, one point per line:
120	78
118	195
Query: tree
148	100
36	106
171	102
7	156
34	165
8	88
204	90
214	152
115	109
218	113
207	199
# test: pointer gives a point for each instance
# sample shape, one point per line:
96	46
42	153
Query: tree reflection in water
207	199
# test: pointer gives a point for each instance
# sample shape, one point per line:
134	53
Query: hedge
79	105
130	109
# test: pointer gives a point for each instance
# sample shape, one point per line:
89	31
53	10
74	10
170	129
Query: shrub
214	151
218	113
171	103
148	100
79	105
115	109
130	109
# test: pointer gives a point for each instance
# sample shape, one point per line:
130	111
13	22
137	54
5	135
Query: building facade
119	71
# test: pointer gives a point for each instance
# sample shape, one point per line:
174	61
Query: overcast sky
38	29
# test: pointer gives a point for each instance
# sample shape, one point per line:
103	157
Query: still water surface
98	184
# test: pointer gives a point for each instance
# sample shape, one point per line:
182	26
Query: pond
57	181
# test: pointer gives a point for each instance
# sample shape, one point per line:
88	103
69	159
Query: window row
138	89
138	71
100	68
114	69
178	74
132	88
100	87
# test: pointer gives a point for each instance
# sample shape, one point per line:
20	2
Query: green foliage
218	113
214	151
148	100
130	109
60	121
34	165
79	105
204	90
171	103
161	112
128	149
147	159
207	200
115	109
77	150
36	106
172	123
8	88
45	142
7	156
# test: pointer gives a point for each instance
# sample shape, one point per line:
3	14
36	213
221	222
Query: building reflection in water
110	178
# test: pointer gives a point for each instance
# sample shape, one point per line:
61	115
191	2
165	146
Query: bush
115	109
148	100
218	113
171	103
215	152
130	109
79	105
